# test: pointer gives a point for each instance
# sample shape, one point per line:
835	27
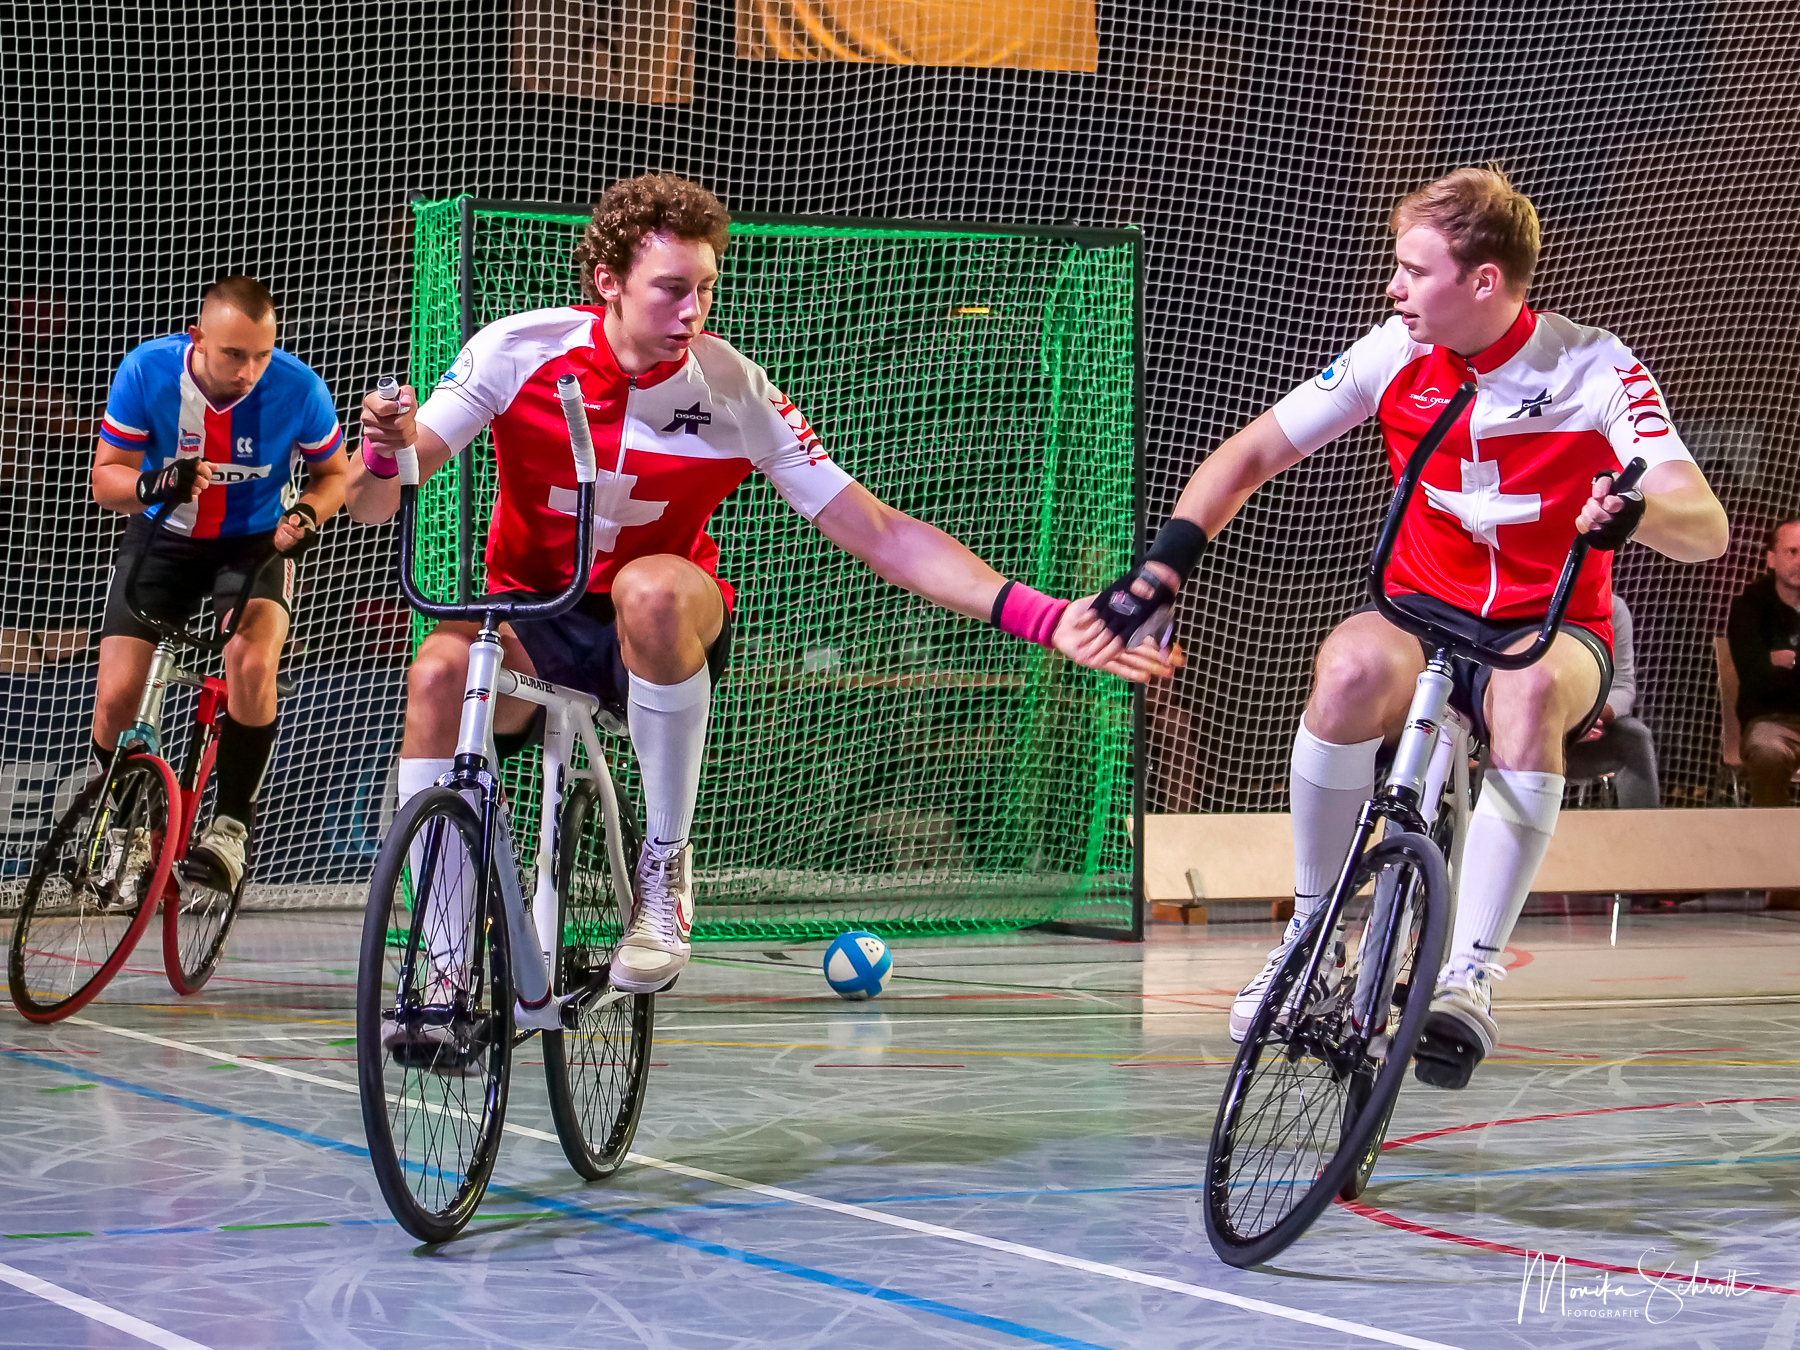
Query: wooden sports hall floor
1004	1150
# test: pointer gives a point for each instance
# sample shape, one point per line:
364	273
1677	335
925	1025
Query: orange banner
622	51
1021	34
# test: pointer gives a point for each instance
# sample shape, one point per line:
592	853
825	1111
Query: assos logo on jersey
1333	375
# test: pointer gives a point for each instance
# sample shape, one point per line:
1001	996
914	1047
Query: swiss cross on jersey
1555	405
671	444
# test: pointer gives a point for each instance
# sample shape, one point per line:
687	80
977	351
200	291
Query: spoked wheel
434	1004
197	917
92	889
597	1068
1317	1074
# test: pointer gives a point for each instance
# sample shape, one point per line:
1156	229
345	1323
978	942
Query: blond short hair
1483	217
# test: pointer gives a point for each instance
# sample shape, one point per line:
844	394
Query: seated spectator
1618	743
1764	632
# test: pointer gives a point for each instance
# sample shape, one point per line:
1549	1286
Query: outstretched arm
1214	494
924	560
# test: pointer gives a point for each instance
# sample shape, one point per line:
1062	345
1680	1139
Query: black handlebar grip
1627	478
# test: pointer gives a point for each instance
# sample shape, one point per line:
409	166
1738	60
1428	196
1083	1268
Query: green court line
14	1236
72	1087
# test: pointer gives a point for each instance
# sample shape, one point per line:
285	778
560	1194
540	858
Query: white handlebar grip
581	440
387	387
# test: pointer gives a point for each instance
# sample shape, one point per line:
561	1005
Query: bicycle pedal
1446	1056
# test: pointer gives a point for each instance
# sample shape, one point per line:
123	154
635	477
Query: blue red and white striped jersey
156	406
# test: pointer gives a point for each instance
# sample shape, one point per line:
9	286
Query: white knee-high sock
450	906
668	732
1509	833
1328	784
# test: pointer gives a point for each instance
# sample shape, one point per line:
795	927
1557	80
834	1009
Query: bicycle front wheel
434	1003
597	1069
197	917
1316	1077
93	888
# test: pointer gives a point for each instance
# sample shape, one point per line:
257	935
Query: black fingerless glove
1137	619
1624	524
302	517
171	483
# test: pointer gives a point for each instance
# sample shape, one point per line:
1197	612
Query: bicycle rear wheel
197	917
597	1068
93	888
434	1004
1315	1080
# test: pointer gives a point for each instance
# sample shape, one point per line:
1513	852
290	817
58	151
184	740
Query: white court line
1252	1305
96	1312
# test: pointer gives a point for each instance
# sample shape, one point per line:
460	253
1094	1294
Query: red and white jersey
672	443
1492	522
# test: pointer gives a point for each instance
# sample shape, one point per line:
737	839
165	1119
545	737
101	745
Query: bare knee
1360	689
434	687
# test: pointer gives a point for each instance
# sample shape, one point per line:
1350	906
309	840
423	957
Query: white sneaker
1250	997
217	857
1460	1030
656	947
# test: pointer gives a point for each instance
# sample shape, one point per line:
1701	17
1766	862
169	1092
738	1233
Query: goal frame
1128	237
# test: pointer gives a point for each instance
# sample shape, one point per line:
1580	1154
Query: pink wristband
1026	613
379	464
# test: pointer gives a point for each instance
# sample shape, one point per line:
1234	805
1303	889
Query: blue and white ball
857	965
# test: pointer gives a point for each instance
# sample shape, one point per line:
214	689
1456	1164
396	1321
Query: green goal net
875	761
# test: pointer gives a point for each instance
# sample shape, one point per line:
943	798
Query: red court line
1382	1216
1506	1249
889	1066
1569	1115
1590	1054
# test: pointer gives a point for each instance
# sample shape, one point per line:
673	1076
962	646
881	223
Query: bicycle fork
1433	751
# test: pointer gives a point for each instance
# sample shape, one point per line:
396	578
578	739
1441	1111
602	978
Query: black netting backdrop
150	147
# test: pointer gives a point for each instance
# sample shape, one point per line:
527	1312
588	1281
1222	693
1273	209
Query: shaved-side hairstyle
246	295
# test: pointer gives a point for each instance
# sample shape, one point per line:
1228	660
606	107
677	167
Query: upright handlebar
180	632
581	441
1456	643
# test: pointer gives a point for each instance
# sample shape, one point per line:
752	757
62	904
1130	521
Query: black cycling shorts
580	648
1468	692
178	573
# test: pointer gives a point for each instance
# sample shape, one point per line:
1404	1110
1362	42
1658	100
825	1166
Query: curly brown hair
636	208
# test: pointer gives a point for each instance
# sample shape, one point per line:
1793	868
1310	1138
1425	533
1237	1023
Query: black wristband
1000	603
304	509
1179	545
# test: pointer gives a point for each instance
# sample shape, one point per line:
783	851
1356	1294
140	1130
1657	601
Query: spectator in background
1618	743
1764	632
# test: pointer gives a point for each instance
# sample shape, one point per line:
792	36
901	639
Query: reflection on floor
1012	1139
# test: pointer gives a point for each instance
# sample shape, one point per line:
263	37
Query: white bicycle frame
569	714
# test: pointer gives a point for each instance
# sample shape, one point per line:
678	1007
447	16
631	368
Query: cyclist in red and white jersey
679	419
1560	408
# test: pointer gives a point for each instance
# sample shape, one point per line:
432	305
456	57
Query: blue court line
738	1254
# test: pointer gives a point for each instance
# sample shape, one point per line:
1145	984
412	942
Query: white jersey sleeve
494	365
1629	407
786	449
1347	392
